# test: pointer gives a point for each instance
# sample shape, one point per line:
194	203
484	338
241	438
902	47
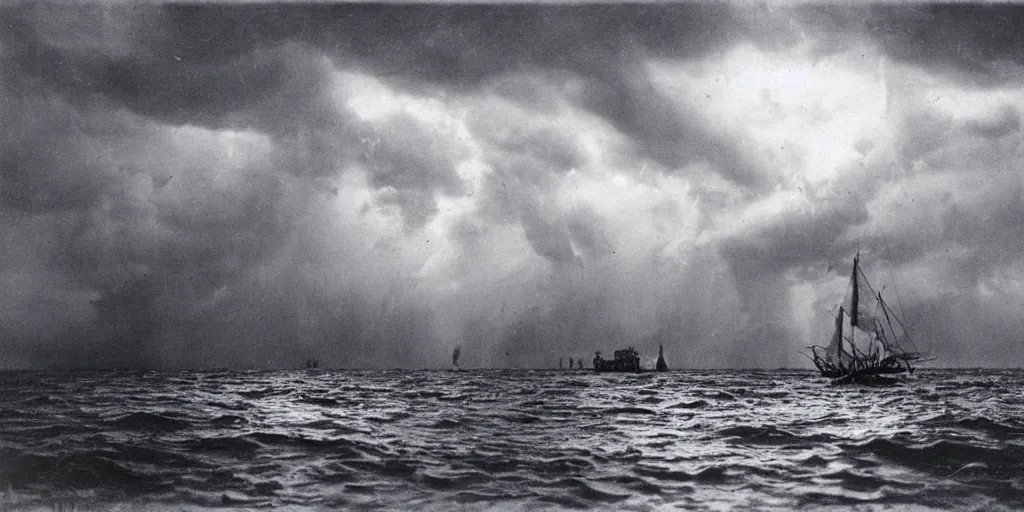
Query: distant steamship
627	360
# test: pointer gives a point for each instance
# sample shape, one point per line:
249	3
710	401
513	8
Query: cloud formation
250	186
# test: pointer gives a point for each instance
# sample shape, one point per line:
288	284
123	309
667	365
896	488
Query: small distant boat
626	360
661	366
312	363
455	357
879	354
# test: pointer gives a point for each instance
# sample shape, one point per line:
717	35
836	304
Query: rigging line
885	309
895	290
866	280
854	352
906	332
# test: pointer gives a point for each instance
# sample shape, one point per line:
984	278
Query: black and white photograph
511	256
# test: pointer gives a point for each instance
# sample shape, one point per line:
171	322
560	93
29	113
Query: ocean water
509	440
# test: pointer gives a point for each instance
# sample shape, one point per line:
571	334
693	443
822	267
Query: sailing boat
873	349
661	365
455	357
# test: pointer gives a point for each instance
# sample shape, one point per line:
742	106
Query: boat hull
661	366
865	370
869	378
617	370
617	367
626	360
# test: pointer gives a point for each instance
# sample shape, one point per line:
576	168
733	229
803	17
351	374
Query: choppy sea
509	440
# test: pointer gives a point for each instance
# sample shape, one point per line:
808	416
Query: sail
862	302
863	344
846	346
875	330
455	355
834	350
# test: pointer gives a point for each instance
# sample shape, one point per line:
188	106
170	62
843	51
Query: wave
947	458
265	392
629	410
771	435
319	400
989	426
86	468
591	490
707	474
696	404
142	420
225	420
453	479
511	440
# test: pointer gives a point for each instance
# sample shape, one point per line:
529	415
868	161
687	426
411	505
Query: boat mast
839	335
854	306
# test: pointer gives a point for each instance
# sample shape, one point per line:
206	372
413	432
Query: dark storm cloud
958	181
548	239
810	234
668	133
989	220
542	141
32	182
588	233
520	193
968	42
152	80
141	230
1002	123
199	64
206	194
172	253
38	175
921	132
151	269
222	65
967	330
410	162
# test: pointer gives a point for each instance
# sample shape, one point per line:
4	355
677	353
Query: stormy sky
374	185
